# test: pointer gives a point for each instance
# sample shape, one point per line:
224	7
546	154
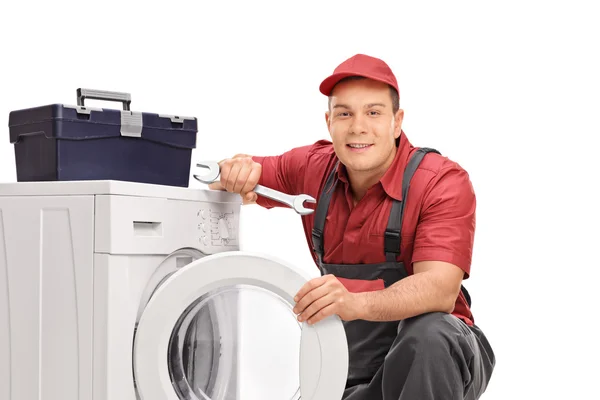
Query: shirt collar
391	181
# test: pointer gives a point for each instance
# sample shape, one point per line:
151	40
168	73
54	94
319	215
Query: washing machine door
222	328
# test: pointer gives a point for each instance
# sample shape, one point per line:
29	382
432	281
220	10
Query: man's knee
437	352
430	333
422	359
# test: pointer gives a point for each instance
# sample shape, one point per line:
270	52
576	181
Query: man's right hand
239	174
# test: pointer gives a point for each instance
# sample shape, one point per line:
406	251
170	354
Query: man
392	256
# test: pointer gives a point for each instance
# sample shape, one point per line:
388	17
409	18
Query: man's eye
343	114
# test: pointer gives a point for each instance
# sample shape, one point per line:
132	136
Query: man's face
363	126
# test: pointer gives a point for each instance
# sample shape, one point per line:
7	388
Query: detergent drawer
59	142
156	225
144	225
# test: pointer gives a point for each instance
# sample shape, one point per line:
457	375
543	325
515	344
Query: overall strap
392	239
321	214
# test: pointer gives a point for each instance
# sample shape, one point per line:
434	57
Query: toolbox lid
79	122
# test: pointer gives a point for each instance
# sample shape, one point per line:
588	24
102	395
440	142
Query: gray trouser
435	356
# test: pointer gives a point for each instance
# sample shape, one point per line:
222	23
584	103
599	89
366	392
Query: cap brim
328	84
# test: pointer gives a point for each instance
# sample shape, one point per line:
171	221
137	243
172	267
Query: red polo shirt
440	191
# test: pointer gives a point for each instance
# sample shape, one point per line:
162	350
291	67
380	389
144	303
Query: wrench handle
274	195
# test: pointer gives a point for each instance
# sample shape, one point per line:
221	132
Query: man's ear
398	118
327	117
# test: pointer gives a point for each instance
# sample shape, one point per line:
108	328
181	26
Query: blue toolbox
60	142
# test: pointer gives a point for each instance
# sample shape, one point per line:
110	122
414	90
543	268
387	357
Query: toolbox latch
131	123
83	109
176	118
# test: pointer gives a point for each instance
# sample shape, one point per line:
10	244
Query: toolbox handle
83	94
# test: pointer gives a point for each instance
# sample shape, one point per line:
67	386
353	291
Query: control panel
218	226
154	225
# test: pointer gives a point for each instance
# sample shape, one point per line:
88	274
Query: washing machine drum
221	327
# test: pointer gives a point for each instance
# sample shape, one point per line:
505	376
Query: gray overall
386	358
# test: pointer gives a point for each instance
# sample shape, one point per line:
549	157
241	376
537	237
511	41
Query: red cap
360	65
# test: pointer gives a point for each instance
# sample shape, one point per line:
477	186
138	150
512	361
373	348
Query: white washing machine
123	291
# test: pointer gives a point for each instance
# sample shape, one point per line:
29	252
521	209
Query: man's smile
358	147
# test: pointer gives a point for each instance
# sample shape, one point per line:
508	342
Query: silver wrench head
213	172
299	204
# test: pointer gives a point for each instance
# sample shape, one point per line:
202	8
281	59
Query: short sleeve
446	229
284	173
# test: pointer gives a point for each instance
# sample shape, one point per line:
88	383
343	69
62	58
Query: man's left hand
325	296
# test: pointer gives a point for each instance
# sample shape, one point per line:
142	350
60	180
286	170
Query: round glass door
233	343
221	327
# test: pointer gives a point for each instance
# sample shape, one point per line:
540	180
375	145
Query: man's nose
359	124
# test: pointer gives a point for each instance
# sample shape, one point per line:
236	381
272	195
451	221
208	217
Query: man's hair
393	93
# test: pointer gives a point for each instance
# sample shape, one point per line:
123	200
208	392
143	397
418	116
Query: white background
510	90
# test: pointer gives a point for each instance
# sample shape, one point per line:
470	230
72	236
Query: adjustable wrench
296	202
